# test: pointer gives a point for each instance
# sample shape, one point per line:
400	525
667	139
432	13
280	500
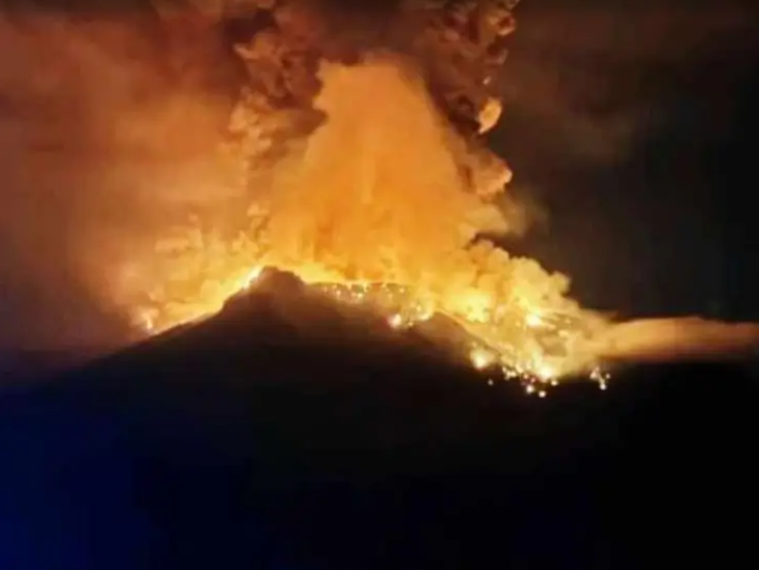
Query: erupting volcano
369	180
361	168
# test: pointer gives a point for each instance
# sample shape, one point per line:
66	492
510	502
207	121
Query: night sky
632	124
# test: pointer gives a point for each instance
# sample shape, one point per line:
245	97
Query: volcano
290	431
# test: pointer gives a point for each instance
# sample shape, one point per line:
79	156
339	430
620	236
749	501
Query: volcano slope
289	432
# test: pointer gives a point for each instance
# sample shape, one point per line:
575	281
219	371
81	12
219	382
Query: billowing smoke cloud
99	138
362	157
113	144
293	52
451	52
459	47
112	123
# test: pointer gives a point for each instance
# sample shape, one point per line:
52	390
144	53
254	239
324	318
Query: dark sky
629	124
632	125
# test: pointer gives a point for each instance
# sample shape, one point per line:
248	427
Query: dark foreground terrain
255	441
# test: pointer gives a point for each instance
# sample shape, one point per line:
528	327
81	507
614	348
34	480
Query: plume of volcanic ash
670	339
364	172
85	178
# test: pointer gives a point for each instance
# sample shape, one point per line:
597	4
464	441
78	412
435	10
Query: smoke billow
113	141
360	140
98	141
343	144
354	200
361	161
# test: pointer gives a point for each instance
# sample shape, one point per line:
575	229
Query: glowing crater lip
253	275
403	311
545	372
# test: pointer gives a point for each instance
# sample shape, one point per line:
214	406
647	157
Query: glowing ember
545	372
533	320
396	321
482	358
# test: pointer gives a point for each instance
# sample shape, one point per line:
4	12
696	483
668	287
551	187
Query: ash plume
113	142
678	339
320	120
344	144
459	48
100	141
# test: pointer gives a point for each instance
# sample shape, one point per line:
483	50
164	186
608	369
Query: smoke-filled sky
628	126
100	127
631	123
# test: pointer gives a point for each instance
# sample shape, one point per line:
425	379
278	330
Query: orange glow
373	207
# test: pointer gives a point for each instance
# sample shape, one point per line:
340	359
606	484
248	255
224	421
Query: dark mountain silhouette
289	432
